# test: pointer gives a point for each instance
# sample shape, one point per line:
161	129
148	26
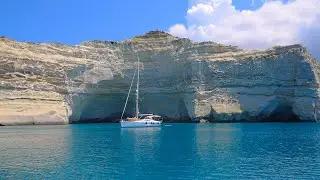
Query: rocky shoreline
181	80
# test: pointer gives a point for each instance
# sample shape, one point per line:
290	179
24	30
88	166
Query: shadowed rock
278	110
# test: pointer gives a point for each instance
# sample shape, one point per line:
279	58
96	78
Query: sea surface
174	151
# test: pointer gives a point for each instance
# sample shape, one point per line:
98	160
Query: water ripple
178	151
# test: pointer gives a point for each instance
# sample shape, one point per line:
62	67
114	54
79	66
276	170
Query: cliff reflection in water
33	151
177	151
108	151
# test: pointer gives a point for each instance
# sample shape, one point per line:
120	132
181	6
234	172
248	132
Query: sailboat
140	120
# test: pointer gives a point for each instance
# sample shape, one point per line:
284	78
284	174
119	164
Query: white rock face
180	80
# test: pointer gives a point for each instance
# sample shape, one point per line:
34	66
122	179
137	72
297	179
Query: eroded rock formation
47	83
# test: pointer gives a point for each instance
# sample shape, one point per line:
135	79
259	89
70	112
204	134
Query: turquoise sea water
174	151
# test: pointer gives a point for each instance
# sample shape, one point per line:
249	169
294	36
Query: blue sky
75	21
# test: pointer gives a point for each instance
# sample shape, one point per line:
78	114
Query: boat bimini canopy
149	116
145	114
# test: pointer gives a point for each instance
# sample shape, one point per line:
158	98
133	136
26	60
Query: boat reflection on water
138	146
137	131
143	137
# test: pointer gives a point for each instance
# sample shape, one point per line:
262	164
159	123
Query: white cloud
274	23
179	30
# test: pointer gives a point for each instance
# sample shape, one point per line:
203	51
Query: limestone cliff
181	80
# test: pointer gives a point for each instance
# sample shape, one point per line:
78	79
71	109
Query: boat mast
137	90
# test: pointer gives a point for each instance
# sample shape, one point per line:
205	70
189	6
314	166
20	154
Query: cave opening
278	110
107	108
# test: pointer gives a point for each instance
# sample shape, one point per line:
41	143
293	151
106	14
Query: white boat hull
140	123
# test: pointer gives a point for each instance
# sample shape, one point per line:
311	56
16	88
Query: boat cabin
150	116
146	116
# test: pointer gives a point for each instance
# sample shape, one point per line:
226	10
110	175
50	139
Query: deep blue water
175	151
